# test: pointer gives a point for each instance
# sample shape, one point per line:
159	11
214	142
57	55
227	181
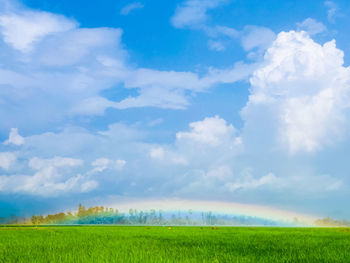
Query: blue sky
224	100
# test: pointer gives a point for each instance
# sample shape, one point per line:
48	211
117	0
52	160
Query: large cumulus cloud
299	96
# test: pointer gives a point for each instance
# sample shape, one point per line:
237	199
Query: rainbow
228	208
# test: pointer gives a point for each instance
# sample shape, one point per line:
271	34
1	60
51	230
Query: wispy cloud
23	29
312	26
77	64
194	12
130	7
332	10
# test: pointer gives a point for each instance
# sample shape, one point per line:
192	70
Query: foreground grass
177	244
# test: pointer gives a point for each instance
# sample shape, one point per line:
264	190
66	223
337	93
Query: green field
175	244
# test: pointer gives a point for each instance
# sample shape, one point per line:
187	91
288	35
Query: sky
240	101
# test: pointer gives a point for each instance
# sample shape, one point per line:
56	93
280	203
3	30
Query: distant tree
81	210
34	220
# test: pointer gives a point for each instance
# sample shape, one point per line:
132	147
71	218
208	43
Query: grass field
175	244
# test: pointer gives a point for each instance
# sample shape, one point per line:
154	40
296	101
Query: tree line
101	215
330	222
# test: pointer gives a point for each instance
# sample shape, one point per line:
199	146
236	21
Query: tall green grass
175	244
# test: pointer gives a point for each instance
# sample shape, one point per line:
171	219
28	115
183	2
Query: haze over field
146	102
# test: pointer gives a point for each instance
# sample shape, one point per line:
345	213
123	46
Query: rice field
173	244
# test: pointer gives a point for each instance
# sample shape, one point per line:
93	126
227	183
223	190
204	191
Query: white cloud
250	183
194	12
51	178
256	40
14	137
102	164
157	153
300	93
130	7
7	160
210	131
311	26
23	29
